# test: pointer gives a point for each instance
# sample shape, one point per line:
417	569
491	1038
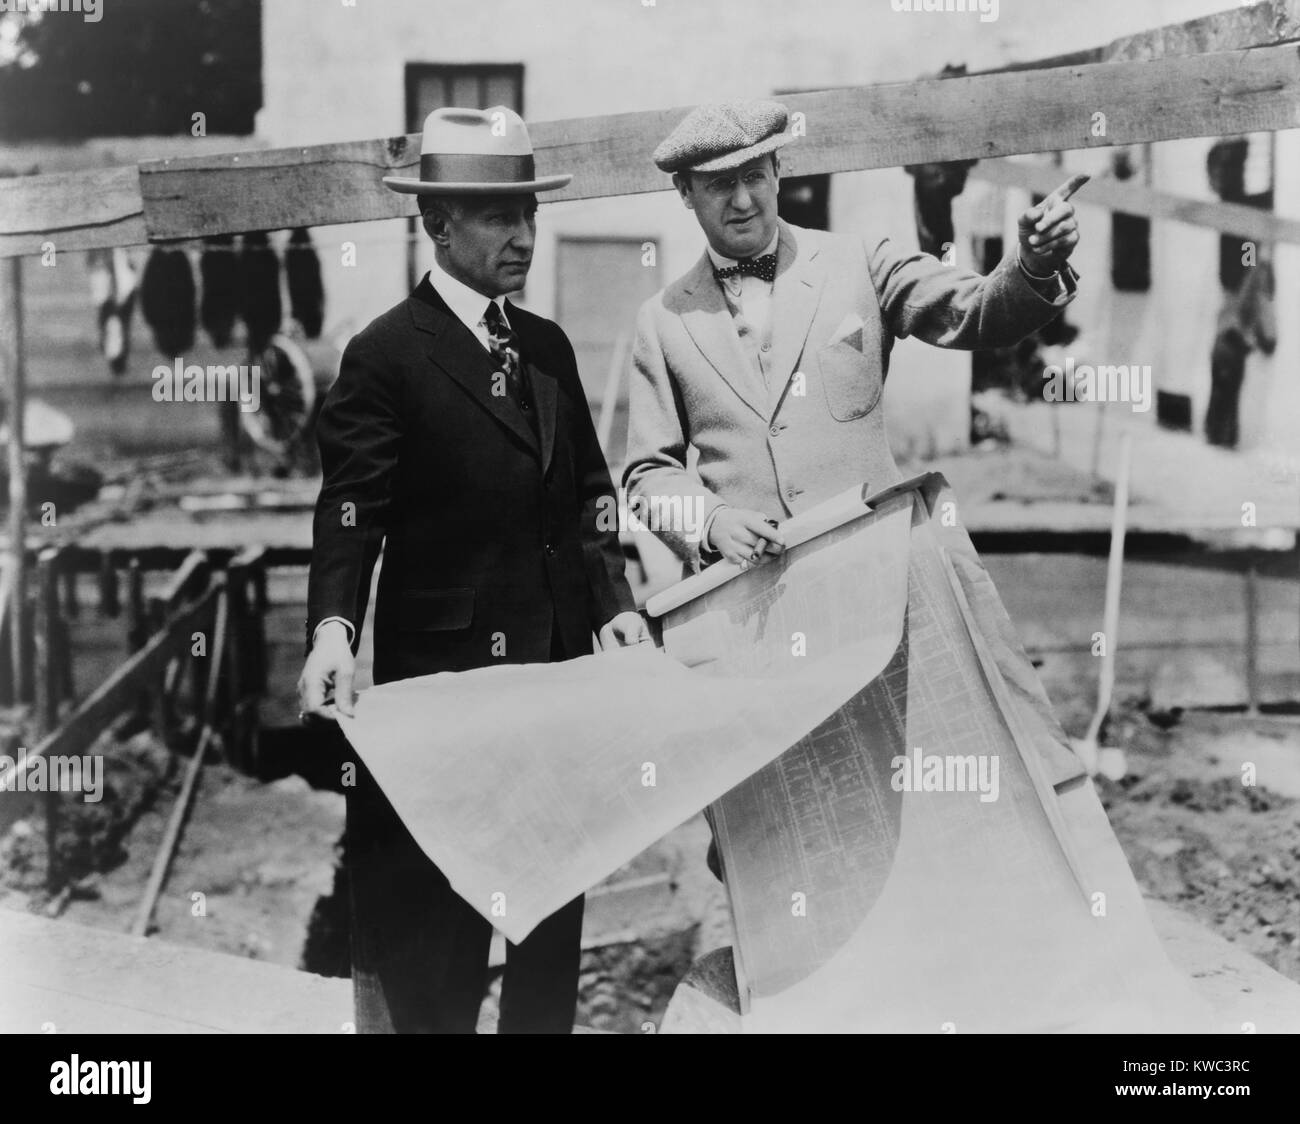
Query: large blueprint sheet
528	784
866	897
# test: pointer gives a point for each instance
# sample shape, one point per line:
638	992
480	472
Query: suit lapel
795	296
709	322
456	351
545	390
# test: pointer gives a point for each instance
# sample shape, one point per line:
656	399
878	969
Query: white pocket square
850	324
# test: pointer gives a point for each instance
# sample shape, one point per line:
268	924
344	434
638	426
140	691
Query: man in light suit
769	356
458	437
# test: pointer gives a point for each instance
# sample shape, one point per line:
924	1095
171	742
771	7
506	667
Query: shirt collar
468	304
719	262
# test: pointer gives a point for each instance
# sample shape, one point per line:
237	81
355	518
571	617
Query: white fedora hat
475	152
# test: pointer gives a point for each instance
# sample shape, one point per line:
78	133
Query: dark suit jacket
492	537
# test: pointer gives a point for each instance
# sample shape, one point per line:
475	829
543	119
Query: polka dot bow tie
762	267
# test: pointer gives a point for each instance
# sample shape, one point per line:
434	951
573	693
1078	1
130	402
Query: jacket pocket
852	383
435	610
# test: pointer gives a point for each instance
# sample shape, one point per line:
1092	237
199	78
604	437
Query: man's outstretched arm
949	307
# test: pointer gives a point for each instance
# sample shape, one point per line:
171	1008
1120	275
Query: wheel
287	390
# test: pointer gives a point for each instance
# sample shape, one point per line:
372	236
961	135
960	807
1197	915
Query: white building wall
334	72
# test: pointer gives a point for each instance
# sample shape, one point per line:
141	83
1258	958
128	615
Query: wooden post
257	677
244	658
11	370
260	607
230	435
109	605
71	606
48	680
48	672
1252	637
236	662
6	612
137	626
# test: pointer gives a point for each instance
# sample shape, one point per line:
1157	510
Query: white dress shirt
468	306
750	297
752	294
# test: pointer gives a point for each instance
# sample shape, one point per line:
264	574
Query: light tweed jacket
782	444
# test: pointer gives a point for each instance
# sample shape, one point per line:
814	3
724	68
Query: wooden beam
847	130
192	572
74	210
1247	25
1134	199
1236	29
13	382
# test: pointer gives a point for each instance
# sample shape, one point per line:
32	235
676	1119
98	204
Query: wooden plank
47	696
323	184
87	980
246	654
1134	199
849	129
1240	989
74	210
1257	25
188	574
180	810
13	378
46	645
1246	25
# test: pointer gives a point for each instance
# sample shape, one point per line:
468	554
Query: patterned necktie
762	267
504	345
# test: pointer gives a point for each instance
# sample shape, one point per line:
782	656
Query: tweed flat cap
713	138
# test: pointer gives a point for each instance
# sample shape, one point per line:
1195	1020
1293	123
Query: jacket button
774	429
767	346
790	493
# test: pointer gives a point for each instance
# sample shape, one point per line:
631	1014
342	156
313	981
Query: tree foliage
144	67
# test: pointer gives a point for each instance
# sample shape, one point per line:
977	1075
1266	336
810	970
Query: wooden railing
195	670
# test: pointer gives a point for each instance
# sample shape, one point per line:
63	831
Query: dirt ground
1199	838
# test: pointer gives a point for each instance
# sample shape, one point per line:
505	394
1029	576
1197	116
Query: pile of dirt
625	988
91	834
253	861
1225	852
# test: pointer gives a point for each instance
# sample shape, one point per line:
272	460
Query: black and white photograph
637	517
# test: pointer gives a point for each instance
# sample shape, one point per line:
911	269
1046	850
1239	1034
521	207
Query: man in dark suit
458	436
